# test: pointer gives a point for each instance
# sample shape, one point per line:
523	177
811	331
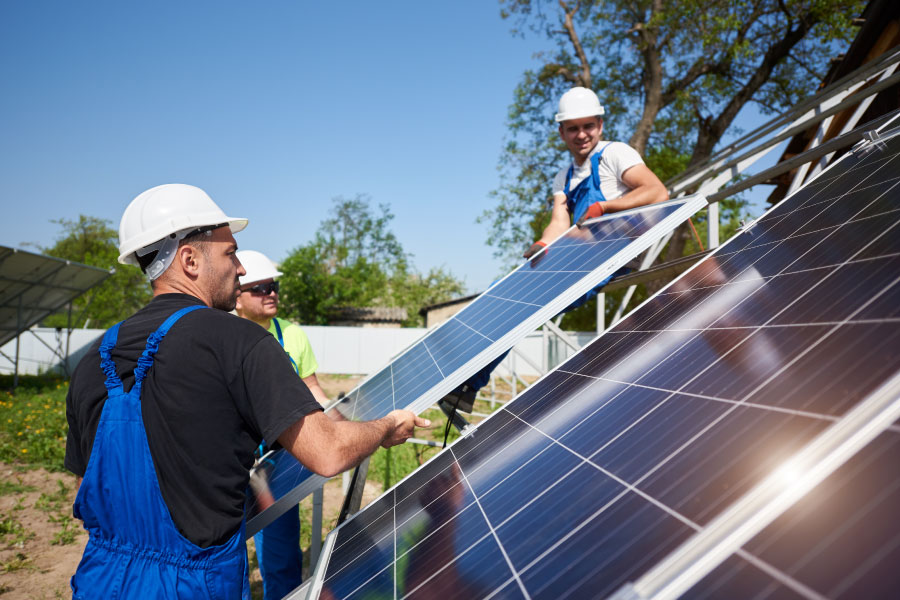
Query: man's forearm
330	447
559	222
640	196
360	439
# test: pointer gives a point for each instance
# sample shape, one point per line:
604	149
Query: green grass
12	533
58	500
33	421
8	488
68	529
16	563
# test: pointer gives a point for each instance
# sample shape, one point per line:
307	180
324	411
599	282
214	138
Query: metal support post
512	361
315	544
18	338
545	349
353	500
68	339
712	225
601	312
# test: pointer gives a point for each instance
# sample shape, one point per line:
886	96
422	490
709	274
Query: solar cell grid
602	468
514	306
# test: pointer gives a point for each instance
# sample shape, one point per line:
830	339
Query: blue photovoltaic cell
606	465
498	318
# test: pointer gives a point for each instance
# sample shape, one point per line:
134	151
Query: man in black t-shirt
217	386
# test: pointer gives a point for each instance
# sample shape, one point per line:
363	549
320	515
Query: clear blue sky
273	108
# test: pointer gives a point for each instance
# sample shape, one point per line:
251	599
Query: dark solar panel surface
494	321
607	464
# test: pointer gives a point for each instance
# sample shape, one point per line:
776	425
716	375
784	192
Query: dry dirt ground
33	562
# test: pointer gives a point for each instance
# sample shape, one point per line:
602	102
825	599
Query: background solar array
606	465
493	322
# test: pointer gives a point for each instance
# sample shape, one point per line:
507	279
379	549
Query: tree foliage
356	260
672	75
91	241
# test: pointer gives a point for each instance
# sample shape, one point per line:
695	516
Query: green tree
673	75
356	260
92	241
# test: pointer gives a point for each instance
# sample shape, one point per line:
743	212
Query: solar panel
493	323
640	448
33	286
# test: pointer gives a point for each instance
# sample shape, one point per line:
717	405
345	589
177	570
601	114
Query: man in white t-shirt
603	177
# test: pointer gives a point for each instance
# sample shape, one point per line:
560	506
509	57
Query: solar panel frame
891	388
684	207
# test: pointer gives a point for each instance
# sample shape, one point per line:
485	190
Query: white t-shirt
617	158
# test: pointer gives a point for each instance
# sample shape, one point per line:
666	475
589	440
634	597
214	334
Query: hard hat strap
165	249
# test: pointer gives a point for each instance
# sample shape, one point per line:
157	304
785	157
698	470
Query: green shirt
296	344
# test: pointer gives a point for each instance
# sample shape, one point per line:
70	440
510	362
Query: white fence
343	350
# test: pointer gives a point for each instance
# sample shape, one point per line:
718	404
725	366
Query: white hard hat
157	219
578	103
258	267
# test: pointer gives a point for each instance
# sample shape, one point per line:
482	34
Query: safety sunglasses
263	289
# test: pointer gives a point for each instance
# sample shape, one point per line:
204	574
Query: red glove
594	210
534	249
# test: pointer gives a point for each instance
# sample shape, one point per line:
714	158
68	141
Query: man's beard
225	297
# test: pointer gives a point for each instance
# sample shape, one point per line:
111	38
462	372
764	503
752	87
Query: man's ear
561	136
189	259
600	120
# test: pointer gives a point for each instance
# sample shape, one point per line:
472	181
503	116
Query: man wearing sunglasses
278	545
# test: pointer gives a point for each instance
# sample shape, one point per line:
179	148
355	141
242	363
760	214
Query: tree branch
584	78
711	129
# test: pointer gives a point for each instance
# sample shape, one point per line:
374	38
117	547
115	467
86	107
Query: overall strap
146	360
568	180
595	163
278	332
281	341
112	382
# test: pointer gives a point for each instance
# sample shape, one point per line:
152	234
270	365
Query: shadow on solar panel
513	306
735	436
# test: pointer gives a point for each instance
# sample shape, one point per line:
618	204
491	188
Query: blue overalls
278	545
587	192
578	201
135	550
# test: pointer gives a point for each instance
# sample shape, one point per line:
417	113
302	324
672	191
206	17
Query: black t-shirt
218	386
